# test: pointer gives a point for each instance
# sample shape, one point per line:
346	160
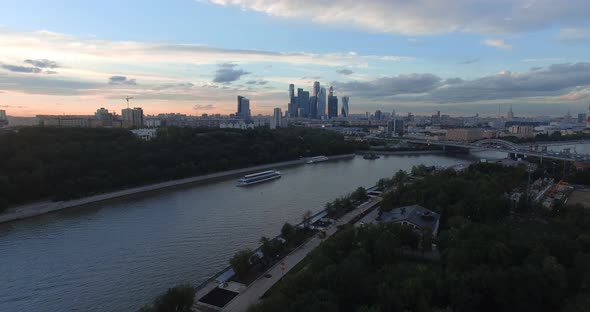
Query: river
118	255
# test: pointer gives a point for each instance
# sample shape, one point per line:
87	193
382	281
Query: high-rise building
291	91
322	103
133	117
104	116
316	88
313	107
331	91
239	111
303	99
2	115
393	113
244	111
581	118
510	114
378	115
292	106
345	110
275	121
332	105
588	118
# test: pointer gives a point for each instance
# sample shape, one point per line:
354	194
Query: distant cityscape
321	110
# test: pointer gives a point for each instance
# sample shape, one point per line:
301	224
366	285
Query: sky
195	56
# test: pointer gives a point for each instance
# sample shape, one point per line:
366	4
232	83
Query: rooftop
414	214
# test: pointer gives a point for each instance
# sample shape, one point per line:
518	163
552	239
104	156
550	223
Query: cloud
256	82
424	17
558	80
469	61
51	72
497	43
121	80
226	73
44	63
345	72
391	86
21	69
200	107
574	35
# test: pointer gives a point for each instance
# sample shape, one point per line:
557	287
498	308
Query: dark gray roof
414	214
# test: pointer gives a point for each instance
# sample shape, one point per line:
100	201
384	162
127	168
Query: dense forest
492	256
64	163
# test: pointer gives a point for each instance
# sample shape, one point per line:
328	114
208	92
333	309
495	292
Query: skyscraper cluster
302	104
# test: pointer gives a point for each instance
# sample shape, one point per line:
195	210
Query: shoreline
44	207
377	152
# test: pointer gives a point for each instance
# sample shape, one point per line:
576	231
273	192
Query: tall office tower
331	91
239	111
303	99
104	116
322	103
2	115
298	102
275	121
393	113
291	91
313	107
292	106
581	118
133	117
510	114
316	88
345	110
245	109
332	106
378	115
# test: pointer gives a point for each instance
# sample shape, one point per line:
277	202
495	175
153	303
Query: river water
120	254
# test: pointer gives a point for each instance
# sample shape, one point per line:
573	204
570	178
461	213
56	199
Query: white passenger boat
258	177
316	159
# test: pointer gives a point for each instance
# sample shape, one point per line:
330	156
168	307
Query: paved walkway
253	293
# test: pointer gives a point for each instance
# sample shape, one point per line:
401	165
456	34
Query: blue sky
196	56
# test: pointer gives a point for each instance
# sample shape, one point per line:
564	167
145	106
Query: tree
288	232
240	262
359	195
176	299
400	177
306	219
426	239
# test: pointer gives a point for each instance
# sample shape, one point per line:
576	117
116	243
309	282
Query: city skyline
528	54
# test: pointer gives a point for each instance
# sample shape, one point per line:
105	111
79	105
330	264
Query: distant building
522	131
245	109
313	107
132	117
104	116
345	112
303	99
395	127
581	118
464	134
3	119
416	217
145	134
76	121
332	106
316	88
239	110
378	115
510	114
276	119
292	106
322	103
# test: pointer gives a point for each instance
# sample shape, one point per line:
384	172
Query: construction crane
127	99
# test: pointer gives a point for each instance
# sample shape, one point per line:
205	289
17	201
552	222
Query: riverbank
378	152
40	208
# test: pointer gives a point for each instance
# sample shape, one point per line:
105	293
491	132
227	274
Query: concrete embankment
378	152
39	208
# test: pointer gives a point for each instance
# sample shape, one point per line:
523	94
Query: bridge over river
534	149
